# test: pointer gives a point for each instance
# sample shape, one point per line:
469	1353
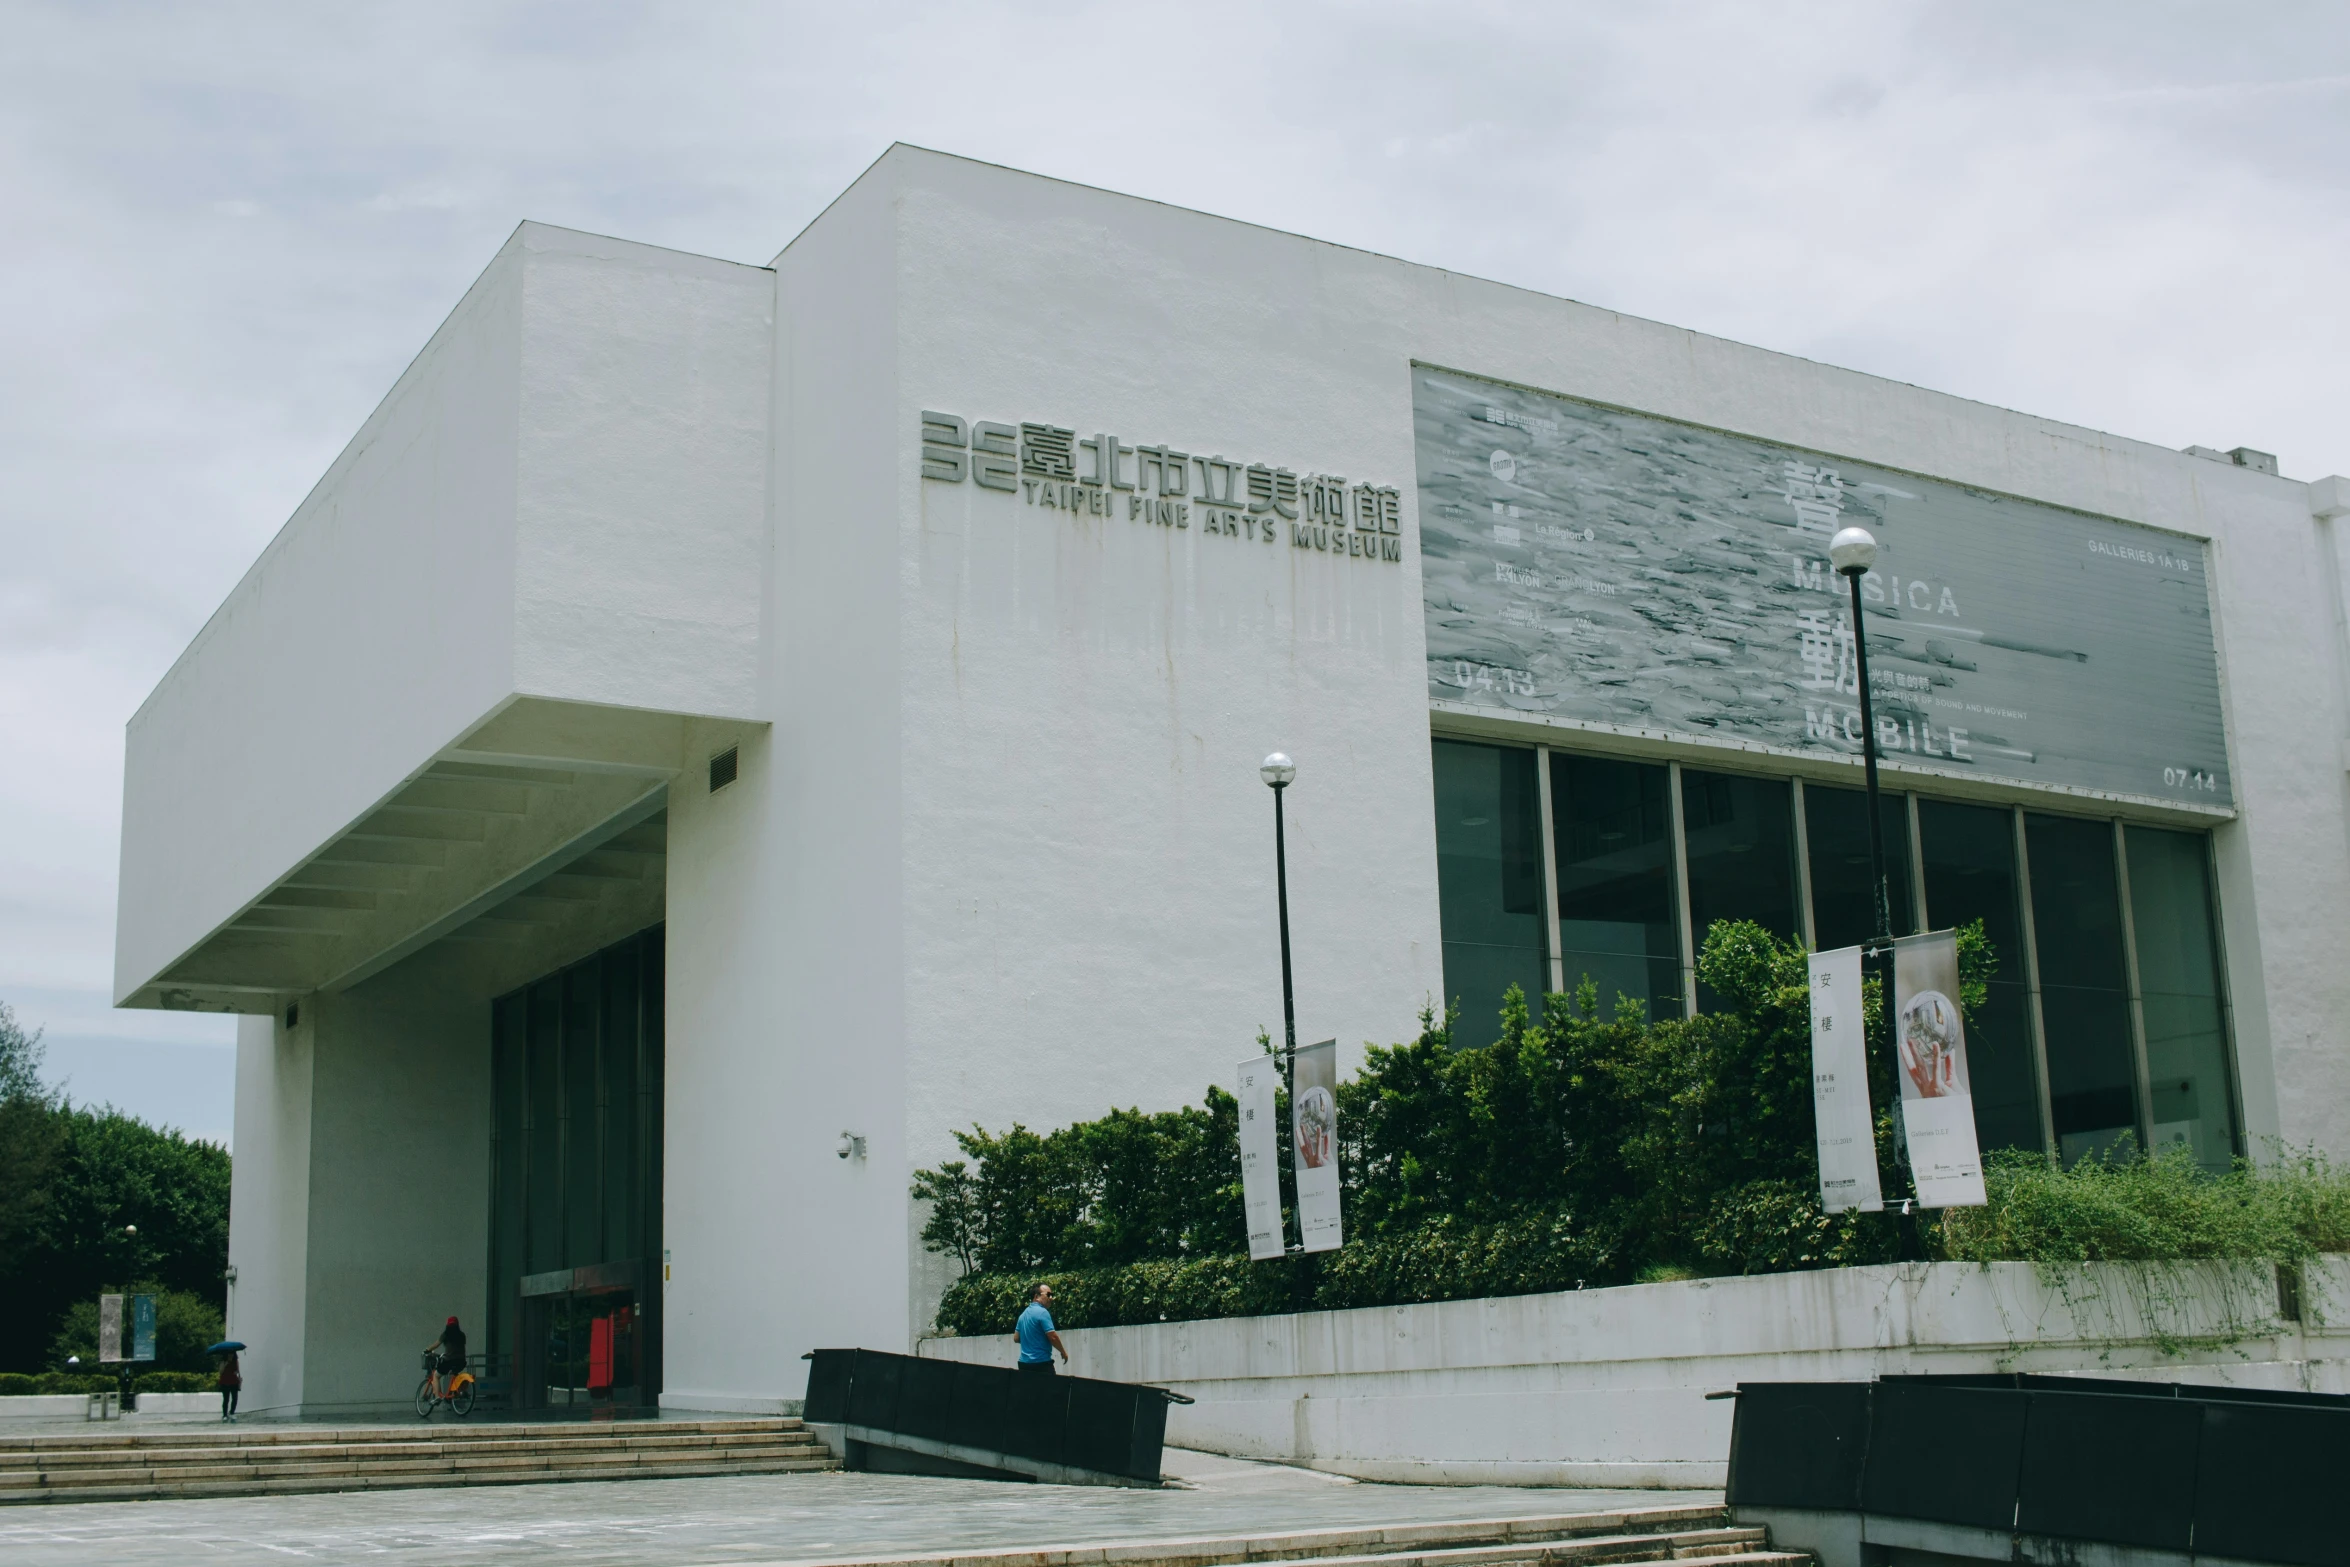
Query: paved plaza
752	1519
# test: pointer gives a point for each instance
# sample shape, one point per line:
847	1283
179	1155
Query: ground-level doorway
575	1184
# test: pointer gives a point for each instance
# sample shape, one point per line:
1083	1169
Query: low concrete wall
1607	1387
72	1406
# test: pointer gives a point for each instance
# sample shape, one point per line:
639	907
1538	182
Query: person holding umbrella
231	1378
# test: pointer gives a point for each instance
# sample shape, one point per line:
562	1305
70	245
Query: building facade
719	729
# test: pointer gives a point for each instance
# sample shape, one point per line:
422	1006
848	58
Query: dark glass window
1489	881
543	1105
1967	853
575	1172
1741	846
1836	833
2084	984
620	1156
2179	985
1618	922
508	1036
582	1106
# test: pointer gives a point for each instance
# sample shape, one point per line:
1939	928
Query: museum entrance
575	1184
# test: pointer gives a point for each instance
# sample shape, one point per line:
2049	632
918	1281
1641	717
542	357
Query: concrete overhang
542	820
467	666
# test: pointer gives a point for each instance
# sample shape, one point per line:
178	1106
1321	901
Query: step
1654	1528
365	1481
485	1463
266	1452
318	1461
265	1460
444	1429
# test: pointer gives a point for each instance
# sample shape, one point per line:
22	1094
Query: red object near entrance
599	1378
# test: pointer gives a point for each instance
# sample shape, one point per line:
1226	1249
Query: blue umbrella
227	1346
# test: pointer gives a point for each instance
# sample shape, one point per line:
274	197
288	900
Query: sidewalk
745	1520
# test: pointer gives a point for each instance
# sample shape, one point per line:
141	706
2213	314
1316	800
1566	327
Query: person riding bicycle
451	1345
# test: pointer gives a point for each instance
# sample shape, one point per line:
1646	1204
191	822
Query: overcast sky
227	228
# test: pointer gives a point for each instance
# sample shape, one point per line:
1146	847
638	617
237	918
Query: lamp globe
1278	770
1852	551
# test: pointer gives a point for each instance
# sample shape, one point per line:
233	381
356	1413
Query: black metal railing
2249	1474
970	1412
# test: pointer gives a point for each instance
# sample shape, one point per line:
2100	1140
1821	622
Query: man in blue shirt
1037	1338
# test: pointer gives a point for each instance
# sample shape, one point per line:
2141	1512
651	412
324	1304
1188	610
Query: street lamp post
1852	552
1277	773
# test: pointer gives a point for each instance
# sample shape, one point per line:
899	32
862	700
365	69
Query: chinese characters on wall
1053	467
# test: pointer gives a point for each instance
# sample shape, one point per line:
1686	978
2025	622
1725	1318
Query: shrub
2160	1209
1587	1145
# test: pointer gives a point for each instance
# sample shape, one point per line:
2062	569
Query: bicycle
458	1394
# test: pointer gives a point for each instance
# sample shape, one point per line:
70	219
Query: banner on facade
1845	1124
1260	1156
1615	571
1937	1099
109	1328
1313	1116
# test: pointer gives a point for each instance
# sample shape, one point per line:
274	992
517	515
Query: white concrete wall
565	496
640	527
1088	849
785	1016
269	1210
1607	1387
398	1233
1087	902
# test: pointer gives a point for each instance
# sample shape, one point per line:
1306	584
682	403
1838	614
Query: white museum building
716	730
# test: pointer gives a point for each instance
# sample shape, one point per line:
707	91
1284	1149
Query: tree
28	1133
74	1181
20	1058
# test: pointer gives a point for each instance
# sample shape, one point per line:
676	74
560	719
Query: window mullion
1919	923
2023	884
2145	1085
1680	840
1806	925
1550	869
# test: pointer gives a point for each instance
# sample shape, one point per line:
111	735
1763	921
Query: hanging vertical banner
109	1328
1260	1157
1840	1085
142	1328
1313	1115
1937	1100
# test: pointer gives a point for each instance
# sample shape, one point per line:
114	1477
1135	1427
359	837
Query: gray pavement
750	1519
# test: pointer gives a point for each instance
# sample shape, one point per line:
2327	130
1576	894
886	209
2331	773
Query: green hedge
2164	1209
1445	1259
17	1384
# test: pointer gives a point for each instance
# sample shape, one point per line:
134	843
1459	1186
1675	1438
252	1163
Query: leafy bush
2160	1209
1584	1146
1444	1259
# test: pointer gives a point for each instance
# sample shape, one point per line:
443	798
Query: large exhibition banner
1937	1097
1636	575
1313	1113
1260	1157
1846	1129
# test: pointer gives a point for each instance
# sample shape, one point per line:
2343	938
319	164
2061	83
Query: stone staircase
1598	1539
261	1460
